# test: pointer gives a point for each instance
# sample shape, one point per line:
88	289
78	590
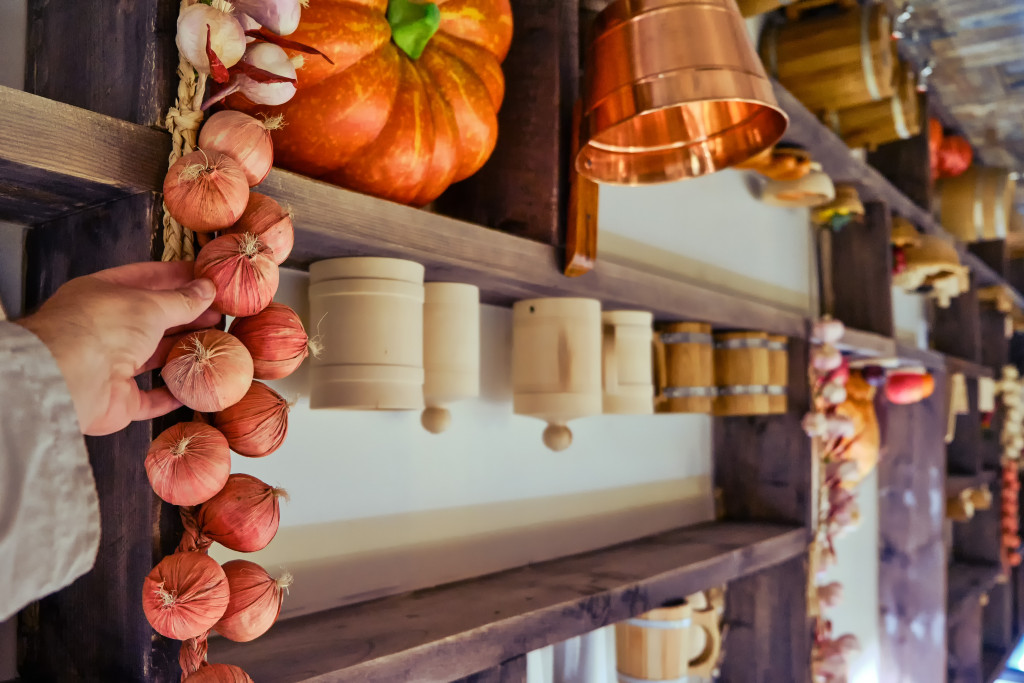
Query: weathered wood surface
523	188
964	665
955	483
956	330
995	347
512	671
967	583
997	619
95	630
763	465
56	159
769	639
963	454
116	58
907	165
993	661
861	272
459	629
993	253
912	567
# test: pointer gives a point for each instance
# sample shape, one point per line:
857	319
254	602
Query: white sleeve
49	510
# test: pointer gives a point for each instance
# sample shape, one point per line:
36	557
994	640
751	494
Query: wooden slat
964	665
955	483
963	454
95	630
906	164
967	583
966	367
979	540
997	619
512	671
56	159
455	630
956	330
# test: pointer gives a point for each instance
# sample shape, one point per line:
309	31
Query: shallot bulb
219	673
188	463
276	340
185	595
205	192
243	138
255	601
279	16
256	425
243	270
208	370
244	516
203	30
268	220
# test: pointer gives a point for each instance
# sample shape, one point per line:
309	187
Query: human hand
105	329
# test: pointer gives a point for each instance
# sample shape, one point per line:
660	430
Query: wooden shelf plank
966	583
452	631
955	483
56	159
839	162
968	368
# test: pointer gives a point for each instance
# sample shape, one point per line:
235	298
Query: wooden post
957	330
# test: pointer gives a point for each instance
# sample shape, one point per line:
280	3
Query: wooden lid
366	267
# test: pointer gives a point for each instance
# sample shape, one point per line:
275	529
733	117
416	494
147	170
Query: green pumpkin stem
413	24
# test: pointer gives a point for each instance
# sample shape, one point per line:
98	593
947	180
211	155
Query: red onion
244	516
276	340
266	219
243	138
219	673
243	270
255	601
208	370
188	463
185	595
256	425
205	192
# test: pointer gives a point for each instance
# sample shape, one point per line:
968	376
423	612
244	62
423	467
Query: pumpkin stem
413	24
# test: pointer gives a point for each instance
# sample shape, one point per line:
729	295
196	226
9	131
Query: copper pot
673	89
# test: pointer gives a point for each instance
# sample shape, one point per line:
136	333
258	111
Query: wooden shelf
455	630
967	368
966	583
840	163
955	483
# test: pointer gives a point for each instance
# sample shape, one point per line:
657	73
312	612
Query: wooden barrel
370	314
778	373
654	646
897	117
751	8
976	205
742	374
556	363
451	349
833	62
626	353
683	368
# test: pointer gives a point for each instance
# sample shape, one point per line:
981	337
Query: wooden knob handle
436	420
557	437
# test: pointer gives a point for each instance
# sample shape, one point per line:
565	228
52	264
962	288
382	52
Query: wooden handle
581	222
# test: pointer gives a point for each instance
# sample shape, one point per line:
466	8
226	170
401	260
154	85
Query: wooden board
512	671
993	253
963	455
997	619
523	188
107	57
458	629
995	347
964	665
967	583
769	635
956	330
907	165
56	159
763	465
861	272
95	629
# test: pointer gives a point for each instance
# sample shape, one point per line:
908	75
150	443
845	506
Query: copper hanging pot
673	89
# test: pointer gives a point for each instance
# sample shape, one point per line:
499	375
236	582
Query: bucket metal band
665	625
689	392
686	338
745	390
899	119
623	678
742	343
867	62
776	390
777	346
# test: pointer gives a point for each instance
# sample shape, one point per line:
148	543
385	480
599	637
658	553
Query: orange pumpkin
385	123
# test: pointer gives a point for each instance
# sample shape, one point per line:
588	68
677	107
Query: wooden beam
456	630
512	671
95	628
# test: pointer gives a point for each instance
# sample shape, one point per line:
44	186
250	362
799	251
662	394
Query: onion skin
185	595
243	138
211	200
257	425
188	463
208	370
255	602
219	673
268	220
244	516
244	272
276	340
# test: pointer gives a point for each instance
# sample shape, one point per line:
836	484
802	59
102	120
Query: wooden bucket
451	349
834	62
370	313
742	374
684	368
778	373
655	646
556	363
897	117
626	352
977	204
